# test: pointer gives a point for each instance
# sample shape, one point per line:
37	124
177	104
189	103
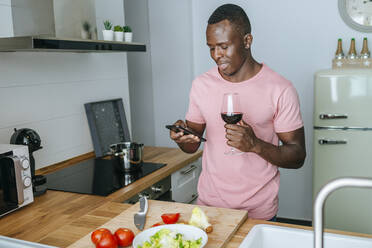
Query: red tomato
97	234
107	241
124	236
170	218
157	224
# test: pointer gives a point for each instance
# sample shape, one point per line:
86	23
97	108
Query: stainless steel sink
270	236
7	242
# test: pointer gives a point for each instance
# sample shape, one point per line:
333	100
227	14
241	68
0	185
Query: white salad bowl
189	232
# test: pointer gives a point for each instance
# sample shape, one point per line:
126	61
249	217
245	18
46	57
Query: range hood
52	44
54	25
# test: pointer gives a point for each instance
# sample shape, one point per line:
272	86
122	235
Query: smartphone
184	130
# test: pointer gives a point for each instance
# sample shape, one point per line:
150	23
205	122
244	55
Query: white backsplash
47	92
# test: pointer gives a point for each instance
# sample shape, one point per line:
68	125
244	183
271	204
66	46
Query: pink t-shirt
270	105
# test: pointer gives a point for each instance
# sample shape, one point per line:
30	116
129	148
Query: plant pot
84	34
118	36
128	37
108	34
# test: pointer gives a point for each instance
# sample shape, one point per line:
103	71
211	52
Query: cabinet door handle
332	116
332	142
189	170
157	189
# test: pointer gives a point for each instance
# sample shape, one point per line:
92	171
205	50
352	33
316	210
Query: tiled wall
47	92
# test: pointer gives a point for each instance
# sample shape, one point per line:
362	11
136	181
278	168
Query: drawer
185	182
158	190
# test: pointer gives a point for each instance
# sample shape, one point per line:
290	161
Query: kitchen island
61	218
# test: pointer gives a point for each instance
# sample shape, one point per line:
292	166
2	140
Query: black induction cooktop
96	176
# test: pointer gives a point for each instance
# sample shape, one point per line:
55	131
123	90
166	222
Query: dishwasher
180	186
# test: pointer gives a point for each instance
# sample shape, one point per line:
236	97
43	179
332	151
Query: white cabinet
185	182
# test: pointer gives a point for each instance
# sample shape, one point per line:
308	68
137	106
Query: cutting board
225	221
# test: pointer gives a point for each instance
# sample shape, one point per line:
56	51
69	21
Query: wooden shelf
52	44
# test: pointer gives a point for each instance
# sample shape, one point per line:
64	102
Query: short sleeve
194	113
288	115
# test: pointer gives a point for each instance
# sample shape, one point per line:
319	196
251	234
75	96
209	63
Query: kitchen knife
140	217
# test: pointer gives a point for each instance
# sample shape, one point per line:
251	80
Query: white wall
112	10
159	79
6	20
171	59
140	74
46	91
295	40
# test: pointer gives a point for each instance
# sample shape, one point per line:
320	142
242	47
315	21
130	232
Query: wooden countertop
56	208
61	218
173	157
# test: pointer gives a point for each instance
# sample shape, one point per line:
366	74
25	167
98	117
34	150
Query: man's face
226	46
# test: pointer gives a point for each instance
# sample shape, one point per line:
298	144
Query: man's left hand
241	136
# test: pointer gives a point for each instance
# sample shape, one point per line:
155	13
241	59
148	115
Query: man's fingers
233	144
235	130
176	135
233	136
235	126
243	123
180	123
187	139
238	126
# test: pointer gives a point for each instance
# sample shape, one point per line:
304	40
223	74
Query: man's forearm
189	147
290	156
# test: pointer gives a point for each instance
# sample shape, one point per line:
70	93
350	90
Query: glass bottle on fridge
343	144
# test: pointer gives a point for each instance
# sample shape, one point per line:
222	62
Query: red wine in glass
231	118
231	113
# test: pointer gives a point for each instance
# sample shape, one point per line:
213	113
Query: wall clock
357	14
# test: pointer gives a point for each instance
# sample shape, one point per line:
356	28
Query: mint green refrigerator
342	145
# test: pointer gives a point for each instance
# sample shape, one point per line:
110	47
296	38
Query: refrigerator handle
332	116
332	142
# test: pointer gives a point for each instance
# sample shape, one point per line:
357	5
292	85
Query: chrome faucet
359	182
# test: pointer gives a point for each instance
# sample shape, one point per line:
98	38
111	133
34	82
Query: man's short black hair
235	14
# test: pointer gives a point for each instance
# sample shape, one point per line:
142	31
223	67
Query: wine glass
231	113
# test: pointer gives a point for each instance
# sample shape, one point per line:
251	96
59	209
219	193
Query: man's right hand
180	137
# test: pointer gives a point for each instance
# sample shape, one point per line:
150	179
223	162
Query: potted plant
85	32
118	33
108	34
128	35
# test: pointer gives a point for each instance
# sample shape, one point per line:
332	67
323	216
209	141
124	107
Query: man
271	112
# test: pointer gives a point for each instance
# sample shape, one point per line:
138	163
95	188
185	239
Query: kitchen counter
56	208
61	218
173	157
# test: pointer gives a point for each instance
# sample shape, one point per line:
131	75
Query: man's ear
248	38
